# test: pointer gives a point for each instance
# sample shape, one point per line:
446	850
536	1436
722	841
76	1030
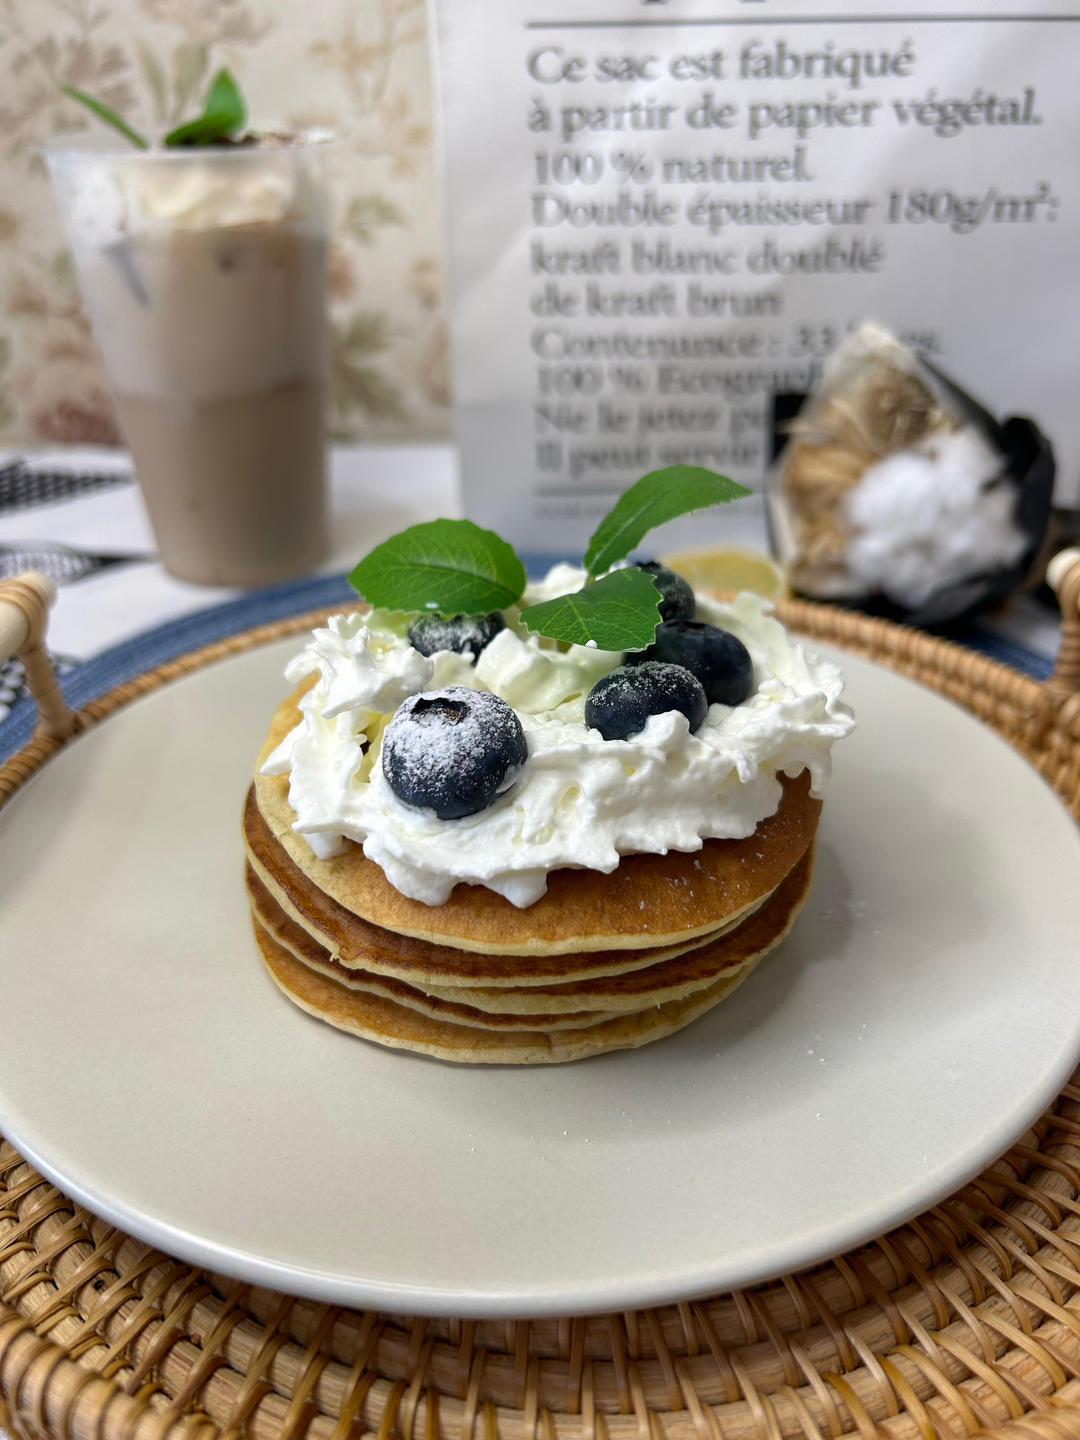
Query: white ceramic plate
924	1011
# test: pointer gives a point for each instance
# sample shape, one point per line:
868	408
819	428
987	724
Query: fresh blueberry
620	702
719	659
676	594
463	633
452	750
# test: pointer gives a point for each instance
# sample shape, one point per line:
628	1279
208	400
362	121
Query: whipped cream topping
108	197
203	197
580	800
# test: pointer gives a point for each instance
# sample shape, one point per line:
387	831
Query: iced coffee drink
204	275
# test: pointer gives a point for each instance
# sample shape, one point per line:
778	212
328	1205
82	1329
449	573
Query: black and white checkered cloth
23	486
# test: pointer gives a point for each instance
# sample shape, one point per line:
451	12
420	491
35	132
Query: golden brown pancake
357	943
671	979
302	947
394	1025
571	1006
686	895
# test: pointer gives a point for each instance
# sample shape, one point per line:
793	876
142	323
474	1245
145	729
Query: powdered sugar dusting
446	749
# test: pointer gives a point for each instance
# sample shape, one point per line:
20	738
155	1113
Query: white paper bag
661	215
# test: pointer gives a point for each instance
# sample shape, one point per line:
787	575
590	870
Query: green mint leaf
110	117
443	566
660	496
224	97
223	114
619	612
206	130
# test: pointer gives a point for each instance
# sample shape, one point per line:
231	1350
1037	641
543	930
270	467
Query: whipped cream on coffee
205	197
580	800
112	196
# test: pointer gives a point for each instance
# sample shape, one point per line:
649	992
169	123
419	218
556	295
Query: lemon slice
725	571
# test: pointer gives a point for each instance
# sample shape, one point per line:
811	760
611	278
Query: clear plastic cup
204	274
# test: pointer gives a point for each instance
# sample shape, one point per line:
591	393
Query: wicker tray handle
24	610
1063	577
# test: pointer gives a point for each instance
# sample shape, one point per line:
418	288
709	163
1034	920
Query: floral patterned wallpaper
357	66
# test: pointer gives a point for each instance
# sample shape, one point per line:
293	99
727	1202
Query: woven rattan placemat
964	1321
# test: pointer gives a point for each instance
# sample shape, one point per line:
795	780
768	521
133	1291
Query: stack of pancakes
600	962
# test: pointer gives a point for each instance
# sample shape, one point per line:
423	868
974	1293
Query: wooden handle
22	601
1063	576
24	610
1058	569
